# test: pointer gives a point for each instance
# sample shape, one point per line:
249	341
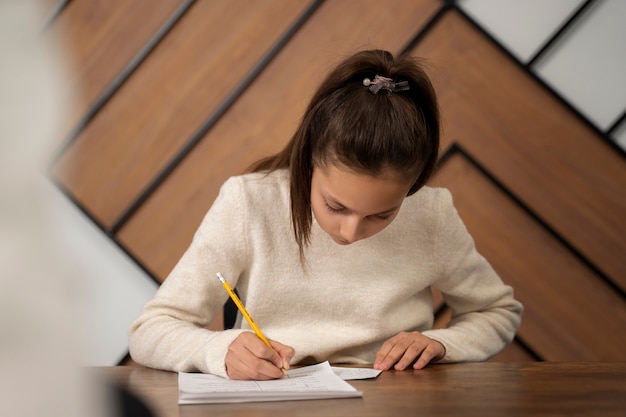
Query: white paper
348	374
309	382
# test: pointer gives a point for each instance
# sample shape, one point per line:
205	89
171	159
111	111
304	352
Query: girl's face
350	206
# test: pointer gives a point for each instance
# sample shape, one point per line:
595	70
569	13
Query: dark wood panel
513	352
184	80
530	142
101	38
570	313
263	119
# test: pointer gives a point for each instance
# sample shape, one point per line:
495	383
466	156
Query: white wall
587	66
114	286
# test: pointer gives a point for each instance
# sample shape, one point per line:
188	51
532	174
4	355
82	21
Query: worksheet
309	382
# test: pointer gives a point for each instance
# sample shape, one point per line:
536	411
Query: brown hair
347	125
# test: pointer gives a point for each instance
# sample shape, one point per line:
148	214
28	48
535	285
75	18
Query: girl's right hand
249	358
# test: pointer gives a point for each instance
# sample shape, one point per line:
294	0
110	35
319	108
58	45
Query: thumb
277	360
285	352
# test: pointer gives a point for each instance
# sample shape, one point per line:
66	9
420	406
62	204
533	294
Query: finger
385	358
252	367
270	355
391	352
285	352
379	361
433	351
413	351
423	360
271	362
249	358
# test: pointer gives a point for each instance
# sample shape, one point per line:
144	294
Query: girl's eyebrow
334	201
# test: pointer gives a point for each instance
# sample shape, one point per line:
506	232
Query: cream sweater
343	304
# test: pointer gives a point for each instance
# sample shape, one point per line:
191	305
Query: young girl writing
334	244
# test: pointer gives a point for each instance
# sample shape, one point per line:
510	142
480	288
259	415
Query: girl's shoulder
272	179
429	205
260	186
431	197
427	211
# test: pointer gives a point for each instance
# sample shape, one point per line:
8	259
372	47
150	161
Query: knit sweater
342	303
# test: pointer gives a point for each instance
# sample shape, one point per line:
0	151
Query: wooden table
474	389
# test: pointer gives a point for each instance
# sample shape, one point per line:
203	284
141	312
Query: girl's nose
352	229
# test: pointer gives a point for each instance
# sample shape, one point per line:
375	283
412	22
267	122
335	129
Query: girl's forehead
337	169
360	192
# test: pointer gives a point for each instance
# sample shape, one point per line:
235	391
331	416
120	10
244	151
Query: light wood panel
263	119
570	313
530	142
179	86
101	38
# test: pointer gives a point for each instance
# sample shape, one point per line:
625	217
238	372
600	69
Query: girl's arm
485	315
170	333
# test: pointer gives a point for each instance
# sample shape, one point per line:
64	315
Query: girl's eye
332	209
381	217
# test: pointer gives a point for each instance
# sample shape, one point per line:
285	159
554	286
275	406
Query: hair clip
384	83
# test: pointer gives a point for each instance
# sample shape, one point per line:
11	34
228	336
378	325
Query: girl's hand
403	349
249	358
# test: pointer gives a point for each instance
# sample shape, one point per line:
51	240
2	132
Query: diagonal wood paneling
102	37
531	142
263	119
548	215
570	312
186	78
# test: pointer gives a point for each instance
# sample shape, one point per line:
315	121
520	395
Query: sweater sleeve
485	316
170	332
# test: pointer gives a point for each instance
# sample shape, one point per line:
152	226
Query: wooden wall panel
186	78
570	312
262	120
513	352
101	38
543	153
541	192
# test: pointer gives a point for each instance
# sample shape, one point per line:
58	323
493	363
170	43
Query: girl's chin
340	241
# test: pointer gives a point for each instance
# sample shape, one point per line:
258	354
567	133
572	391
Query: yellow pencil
243	310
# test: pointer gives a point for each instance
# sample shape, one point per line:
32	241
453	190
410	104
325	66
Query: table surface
587	389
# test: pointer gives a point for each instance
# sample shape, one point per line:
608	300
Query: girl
334	244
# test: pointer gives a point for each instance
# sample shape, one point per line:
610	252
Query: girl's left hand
408	348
